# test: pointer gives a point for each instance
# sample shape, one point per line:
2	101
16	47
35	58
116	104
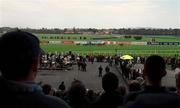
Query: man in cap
19	59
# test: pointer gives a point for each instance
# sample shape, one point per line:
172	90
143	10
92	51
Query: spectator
154	95
77	95
110	98
18	89
91	96
100	71
177	76
79	64
62	86
84	66
134	86
107	69
46	89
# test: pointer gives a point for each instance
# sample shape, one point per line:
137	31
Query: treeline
121	31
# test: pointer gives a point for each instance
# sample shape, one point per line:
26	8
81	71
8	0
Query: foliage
122	31
127	36
84	38
137	37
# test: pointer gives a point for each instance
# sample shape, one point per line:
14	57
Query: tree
65	29
74	30
137	37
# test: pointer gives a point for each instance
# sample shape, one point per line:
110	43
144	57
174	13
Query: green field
114	49
110	49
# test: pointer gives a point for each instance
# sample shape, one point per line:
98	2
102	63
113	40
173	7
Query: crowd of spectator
18	88
55	61
130	72
59	61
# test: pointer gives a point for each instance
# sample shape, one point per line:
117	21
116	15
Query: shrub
127	36
137	37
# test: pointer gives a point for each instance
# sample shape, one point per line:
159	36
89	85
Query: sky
90	13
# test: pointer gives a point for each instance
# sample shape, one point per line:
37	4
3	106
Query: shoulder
154	100
150	100
52	102
132	96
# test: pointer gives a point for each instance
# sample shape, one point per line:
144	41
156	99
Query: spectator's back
110	98
19	59
14	95
154	95
153	98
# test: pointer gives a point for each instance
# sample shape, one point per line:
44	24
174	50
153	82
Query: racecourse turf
165	50
113	49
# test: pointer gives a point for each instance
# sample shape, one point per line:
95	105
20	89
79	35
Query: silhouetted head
19	54
46	89
134	86
90	93
154	68
77	90
110	82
